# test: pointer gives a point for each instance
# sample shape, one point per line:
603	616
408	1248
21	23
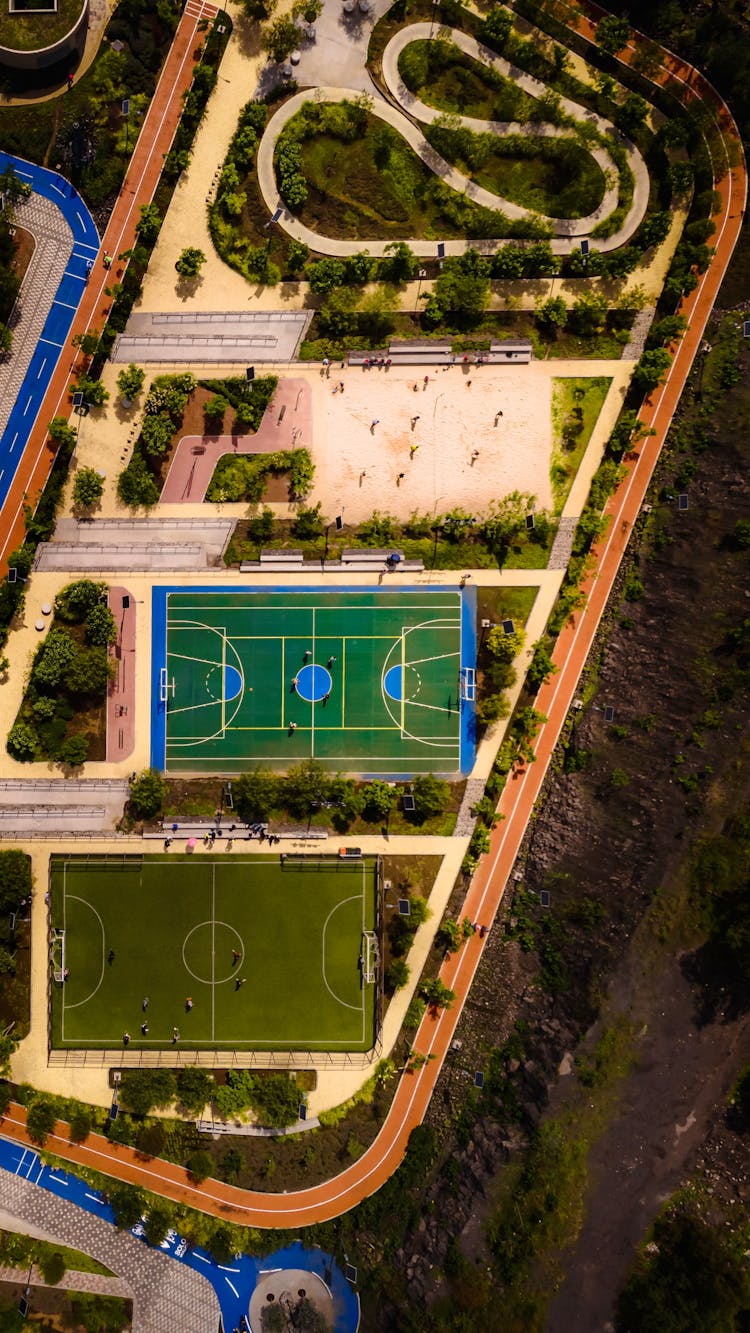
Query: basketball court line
316	733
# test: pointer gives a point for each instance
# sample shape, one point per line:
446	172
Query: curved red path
335	1196
154	142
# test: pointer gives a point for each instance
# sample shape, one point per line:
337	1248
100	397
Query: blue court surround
65	303
159	596
233	1283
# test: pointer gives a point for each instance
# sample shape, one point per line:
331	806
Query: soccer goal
370	956
57	955
468	683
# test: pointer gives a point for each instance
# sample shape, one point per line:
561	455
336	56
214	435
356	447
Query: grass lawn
576	404
32	31
442	76
167	928
374	188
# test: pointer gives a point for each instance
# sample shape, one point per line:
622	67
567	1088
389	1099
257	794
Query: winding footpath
415	1089
567	231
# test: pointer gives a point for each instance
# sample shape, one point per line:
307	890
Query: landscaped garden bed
178	406
63	713
444	77
456	540
576	404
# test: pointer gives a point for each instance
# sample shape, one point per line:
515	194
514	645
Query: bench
281	557
366	555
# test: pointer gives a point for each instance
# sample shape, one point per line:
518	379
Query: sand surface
359	464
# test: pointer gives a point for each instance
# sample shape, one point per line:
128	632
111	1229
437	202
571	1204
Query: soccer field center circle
192	945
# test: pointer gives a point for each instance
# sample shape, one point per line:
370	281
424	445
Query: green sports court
273	953
371	681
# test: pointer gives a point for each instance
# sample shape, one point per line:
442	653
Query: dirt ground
613	829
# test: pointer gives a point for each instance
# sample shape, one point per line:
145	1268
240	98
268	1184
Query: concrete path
484	56
73	1280
41	807
568	231
287	424
165	1296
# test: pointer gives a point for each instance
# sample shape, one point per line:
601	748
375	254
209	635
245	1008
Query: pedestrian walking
375	421
362	476
111	957
175	1035
474	456
331	660
144	1029
235	957
307	654
144	1003
413	449
425	382
188	1003
107	260
400	478
341	386
325	698
295	683
229	844
125	1038
70	82
292	726
167	844
414	421
468	384
239	982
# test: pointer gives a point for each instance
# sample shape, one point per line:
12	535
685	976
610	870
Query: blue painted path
233	1283
65	303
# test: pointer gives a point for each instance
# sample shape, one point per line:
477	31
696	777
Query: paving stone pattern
562	546
54	246
638	334
167	1295
465	820
73	1280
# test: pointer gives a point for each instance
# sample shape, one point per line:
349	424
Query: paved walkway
417	32
75	1279
165	1297
287	424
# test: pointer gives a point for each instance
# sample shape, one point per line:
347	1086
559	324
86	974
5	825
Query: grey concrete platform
201	338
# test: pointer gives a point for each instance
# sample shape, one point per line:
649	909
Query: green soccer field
268	953
369	681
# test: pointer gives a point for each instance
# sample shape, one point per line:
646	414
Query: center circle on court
313	683
222	939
